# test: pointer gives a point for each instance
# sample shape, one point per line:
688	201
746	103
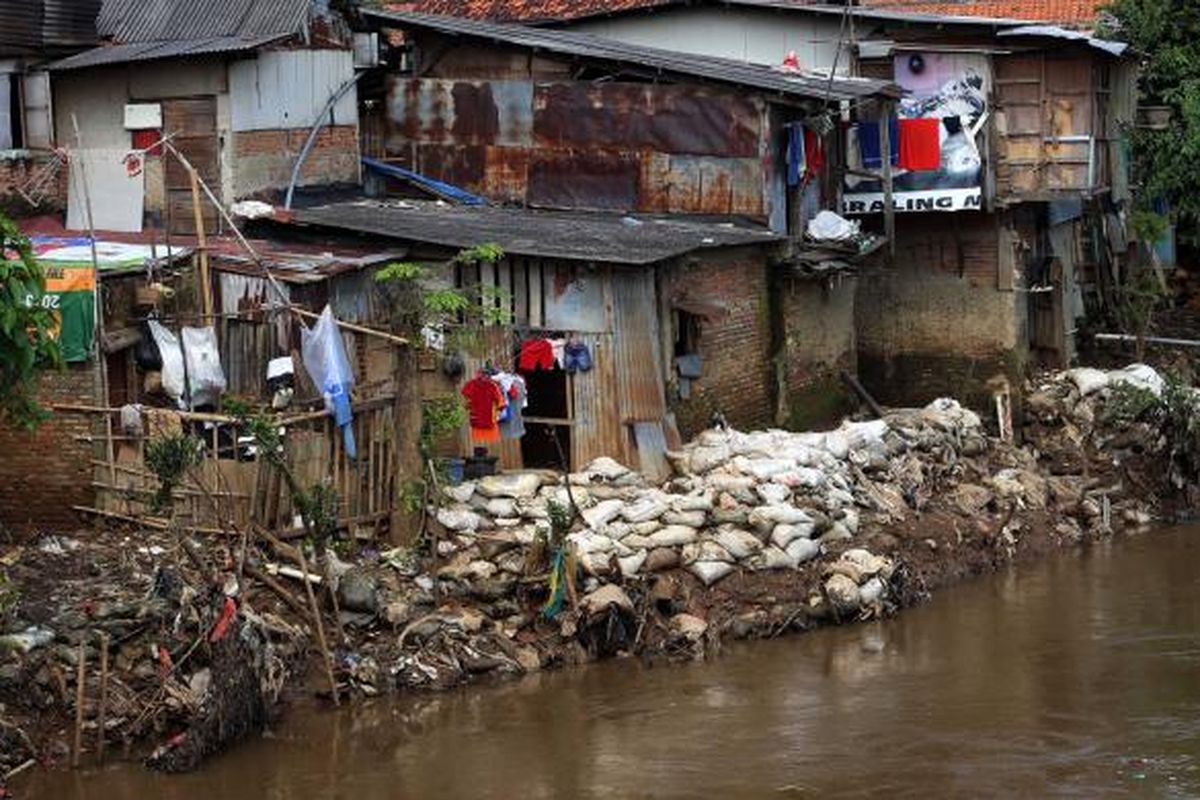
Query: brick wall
735	347
818	343
936	322
263	160
18	171
45	472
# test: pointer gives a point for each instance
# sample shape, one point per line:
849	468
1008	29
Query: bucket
455	468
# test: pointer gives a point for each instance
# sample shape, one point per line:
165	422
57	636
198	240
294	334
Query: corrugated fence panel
597	430
282	89
636	345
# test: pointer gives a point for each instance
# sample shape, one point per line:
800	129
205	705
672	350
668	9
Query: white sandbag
605	468
602	513
706	550
691	502
458	519
771	558
1088	380
632	563
764	518
783	535
672	536
773	493
871	591
644	509
692	519
1138	376
802	550
709	572
739	543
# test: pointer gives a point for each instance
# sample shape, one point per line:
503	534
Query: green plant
169	458
440	417
412	496
1137	300
560	522
1127	404
1166	33
27	341
1181	426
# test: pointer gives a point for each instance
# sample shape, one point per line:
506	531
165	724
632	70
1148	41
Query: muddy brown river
1075	677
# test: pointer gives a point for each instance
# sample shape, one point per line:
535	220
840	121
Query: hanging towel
796	161
814	149
868	142
920	144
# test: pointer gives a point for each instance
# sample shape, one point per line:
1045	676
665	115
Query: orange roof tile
525	10
1064	12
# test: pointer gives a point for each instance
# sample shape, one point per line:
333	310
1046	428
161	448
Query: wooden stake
103	712
201	246
885	149
316	612
80	680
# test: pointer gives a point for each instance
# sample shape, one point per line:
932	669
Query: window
24	108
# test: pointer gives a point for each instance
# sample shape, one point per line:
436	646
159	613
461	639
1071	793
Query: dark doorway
547	440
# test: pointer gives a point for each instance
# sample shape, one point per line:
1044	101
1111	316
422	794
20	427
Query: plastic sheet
206	379
325	359
171	354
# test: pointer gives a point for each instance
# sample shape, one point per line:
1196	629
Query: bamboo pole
103	712
206	300
80	679
320	630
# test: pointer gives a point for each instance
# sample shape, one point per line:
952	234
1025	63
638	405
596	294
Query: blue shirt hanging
869	143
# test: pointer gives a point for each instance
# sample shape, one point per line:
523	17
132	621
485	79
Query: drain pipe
316	129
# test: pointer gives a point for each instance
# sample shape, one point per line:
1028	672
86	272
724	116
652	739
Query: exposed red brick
1081	13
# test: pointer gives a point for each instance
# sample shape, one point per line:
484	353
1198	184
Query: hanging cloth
869	143
484	401
796	161
536	354
814	151
920	144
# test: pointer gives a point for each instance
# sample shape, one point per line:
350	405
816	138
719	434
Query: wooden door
193	122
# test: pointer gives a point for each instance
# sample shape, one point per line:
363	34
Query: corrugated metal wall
282	89
612	146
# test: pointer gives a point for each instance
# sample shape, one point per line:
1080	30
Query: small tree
27	343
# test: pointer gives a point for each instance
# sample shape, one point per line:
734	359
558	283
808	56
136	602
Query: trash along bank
154	645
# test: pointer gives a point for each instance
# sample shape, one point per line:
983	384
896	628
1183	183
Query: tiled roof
526	10
1063	12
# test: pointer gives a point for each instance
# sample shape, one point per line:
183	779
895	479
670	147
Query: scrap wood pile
757	533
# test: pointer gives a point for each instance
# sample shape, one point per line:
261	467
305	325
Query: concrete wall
819	341
944	319
760	36
45	472
735	347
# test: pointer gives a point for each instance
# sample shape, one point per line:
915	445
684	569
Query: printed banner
953	90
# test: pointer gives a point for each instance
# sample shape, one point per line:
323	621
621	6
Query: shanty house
643	205
1022	229
258	95
34	32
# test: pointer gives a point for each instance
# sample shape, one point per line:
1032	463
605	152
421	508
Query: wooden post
407	461
80	680
97	305
103	711
201	246
320	628
885	150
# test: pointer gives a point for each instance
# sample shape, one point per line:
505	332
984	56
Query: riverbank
757	535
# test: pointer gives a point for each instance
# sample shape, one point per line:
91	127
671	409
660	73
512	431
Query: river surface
1075	677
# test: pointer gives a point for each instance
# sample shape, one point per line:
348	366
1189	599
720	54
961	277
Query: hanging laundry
814	150
484	401
576	357
536	354
920	144
323	352
870	146
514	390
796	161
558	346
953	125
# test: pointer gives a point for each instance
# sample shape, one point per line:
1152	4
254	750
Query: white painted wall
289	88
761	36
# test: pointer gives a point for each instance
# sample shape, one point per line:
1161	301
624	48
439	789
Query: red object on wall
142	140
921	144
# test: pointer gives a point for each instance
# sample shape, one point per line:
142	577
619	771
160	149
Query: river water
1077	677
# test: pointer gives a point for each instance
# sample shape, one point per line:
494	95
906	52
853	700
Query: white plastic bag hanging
325	359
172	360
206	379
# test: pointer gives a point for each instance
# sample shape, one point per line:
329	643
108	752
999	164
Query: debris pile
756	534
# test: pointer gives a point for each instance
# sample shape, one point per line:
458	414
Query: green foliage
440	417
1127	404
560	522
412	497
401	271
26	344
487	253
1137	300
1181	425
446	302
169	458
1166	33
318	508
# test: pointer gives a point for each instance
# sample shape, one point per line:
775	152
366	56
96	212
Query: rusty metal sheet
669	119
573	298
597	430
636	347
461	165
461	112
597	180
506	173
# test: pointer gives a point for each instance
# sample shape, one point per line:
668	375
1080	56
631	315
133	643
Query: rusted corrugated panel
461	112
597	430
636	346
595	180
669	119
506	173
462	166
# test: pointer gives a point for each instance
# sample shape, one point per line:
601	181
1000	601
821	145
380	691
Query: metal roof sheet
149	51
1054	32
126	21
597	48
604	238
